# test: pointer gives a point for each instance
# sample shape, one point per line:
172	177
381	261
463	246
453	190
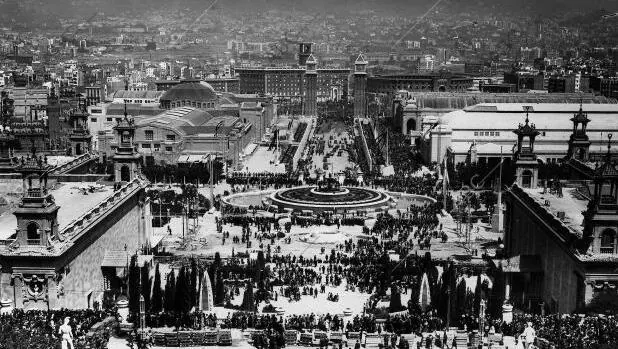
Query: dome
193	90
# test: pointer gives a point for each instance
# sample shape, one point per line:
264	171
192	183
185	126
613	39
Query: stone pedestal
123	310
507	313
6	306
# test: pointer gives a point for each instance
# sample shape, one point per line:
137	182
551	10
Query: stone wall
124	226
526	233
78	280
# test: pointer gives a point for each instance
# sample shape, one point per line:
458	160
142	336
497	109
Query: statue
66	333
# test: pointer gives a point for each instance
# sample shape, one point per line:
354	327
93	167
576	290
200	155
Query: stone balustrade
75	227
73	163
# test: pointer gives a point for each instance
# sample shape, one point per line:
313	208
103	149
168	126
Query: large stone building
190	93
186	134
67	245
560	244
489	127
302	84
443	81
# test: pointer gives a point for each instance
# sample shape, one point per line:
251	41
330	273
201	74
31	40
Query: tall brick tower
311	89
360	86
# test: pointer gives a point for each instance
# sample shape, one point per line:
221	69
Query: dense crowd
398	324
40	329
569	331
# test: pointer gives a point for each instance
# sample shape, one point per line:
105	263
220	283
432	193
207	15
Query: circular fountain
329	195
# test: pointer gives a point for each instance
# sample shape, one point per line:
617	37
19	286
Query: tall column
360	86
507	308
18	296
52	292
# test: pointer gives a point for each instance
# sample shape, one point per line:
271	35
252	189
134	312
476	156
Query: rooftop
138	94
546	116
198	91
72	201
572	203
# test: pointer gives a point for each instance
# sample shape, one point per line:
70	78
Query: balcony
607	250
36	193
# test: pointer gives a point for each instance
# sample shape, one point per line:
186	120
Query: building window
168	149
486	133
110	119
608	241
33	234
96	111
157	147
497	134
170	138
145	145
93	119
149	134
476	134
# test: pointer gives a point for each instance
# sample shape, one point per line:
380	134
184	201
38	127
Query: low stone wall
81	177
364	145
303	143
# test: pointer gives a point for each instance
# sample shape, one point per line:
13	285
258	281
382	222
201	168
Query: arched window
33	234
608	241
410	125
526	179
125	173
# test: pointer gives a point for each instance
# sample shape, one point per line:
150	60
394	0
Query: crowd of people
568	331
38	329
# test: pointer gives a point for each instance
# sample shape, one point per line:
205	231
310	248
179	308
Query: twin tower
310	105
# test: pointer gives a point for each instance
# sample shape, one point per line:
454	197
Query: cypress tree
156	304
219	291
146	285
461	296
478	295
183	291
134	287
170	292
194	283
248	300
395	304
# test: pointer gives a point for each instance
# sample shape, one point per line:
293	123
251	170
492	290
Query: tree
214	270
489	200
259	266
134	286
156	305
219	290
461	298
183	292
248	299
194	283
145	285
473	201
478	294
170	292
395	304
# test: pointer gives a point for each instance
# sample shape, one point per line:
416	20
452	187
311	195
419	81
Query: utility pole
500	217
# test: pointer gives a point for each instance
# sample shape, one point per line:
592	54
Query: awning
520	264
156	239
116	259
193	158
